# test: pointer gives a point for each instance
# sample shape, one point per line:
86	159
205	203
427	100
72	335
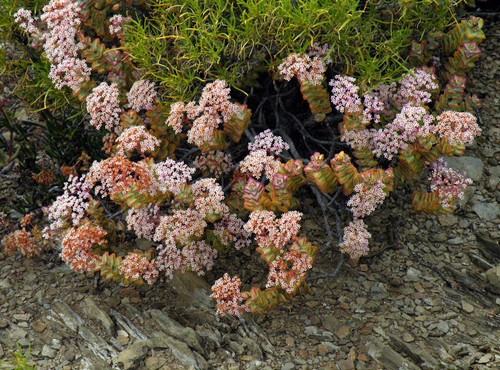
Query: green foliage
21	360
183	44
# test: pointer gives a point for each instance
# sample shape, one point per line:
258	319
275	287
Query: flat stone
387	357
487	211
39	326
48	352
311	330
469	166
343	332
408	338
288	366
3	323
95	312
467	307
122	337
132	356
176	330
331	323
493	277
443	327
290	342
413	275
378	291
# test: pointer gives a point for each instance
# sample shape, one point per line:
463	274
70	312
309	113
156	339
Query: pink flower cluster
70	207
448	183
62	19
213	109
355	239
77	246
345	96
227	293
142	95
136	138
318	51
415	88
209	198
172	175
366	198
373	108
305	68
103	106
135	267
289	270
117	175
271	232
176	117
143	221
230	229
25	19
457	127
409	125
182	226
259	162
269	142
116	23
196	256
215	162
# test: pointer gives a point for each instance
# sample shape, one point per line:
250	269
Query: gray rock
180	350
387	357
70	318
311	330
176	330
443	327
487	211
493	277
132	356
93	311
470	166
378	291
48	352
413	275
288	366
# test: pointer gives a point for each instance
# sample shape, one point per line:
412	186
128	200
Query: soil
426	298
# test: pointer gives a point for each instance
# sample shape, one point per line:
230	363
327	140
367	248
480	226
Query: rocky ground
427	297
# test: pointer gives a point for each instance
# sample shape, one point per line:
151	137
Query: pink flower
345	96
104	107
215	162
142	95
209	197
449	184
288	271
231	229
182	226
172	175
457	127
176	117
116	23
227	294
70	207
144	221
137	138
407	127
213	109
258	162
366	199
135	267
269	142
77	246
271	232
305	68
355	239
415	88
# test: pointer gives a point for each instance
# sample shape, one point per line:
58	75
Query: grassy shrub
185	43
